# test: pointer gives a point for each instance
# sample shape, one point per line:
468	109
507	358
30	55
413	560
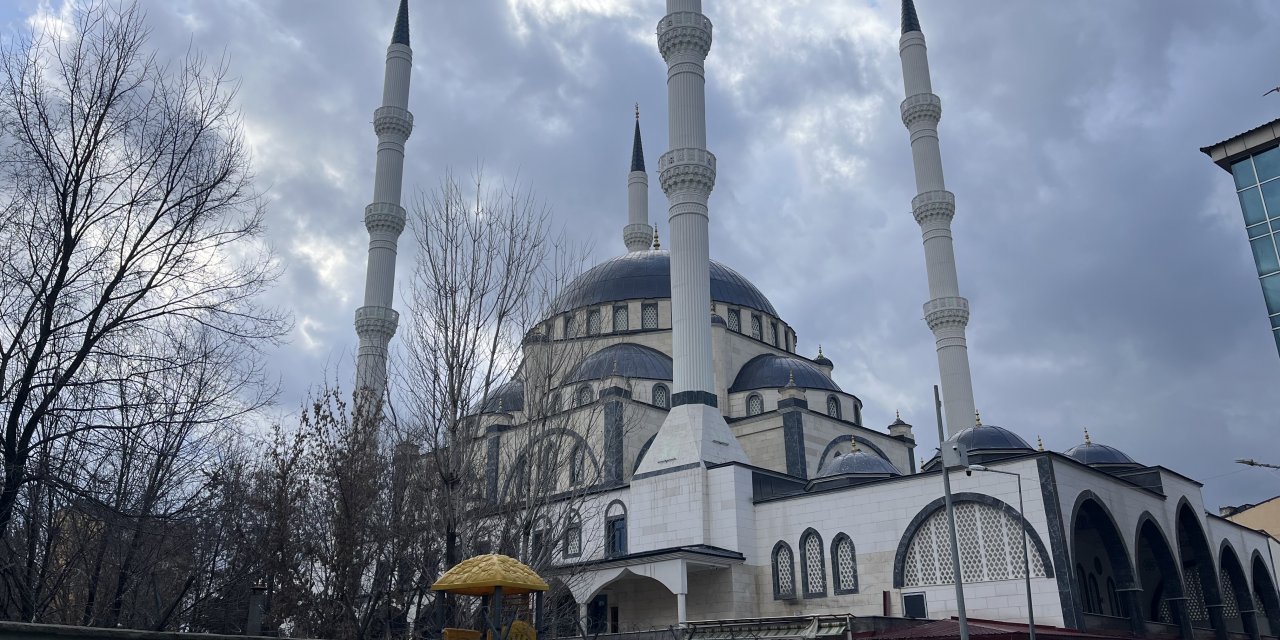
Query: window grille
756	330
570	326
593	322
1231	607
582	397
661	396
620	319
812	566
755	405
649	316
573	537
735	320
577	465
784	581
988	540
833	406
844	569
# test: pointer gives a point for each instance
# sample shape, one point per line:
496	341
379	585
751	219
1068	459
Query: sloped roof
479	575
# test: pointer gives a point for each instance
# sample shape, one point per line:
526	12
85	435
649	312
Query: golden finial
615	365
1039	443
977	419
819	351
637	112
1087	439
656	246
897	414
791	378
853	448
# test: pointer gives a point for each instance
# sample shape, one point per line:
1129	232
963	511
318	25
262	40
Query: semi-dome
647	274
772	371
1092	453
860	462
989	437
506	398
627	360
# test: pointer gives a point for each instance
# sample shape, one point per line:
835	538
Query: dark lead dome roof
506	398
771	371
1092	453
858	461
647	274
989	437
633	361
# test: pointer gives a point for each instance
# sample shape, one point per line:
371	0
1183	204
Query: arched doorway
1103	575
1265	599
1204	599
1162	593
1237	610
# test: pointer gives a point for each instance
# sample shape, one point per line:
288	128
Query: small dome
771	371
478	575
822	360
988	437
717	320
506	398
858	461
627	360
1092	453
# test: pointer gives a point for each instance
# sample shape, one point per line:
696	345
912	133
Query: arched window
620	320
554	403
615	530
571	326
593	322
577	465
661	396
582	397
989	540
833	407
844	565
813	569
757	327
857	413
649	316
784	572
755	405
573	536
735	320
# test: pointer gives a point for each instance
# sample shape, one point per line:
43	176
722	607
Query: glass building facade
1257	178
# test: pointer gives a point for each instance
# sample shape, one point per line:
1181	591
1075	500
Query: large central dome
647	274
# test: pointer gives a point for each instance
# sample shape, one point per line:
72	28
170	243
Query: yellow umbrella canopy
479	575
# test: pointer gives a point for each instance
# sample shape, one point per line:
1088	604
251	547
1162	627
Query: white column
682	610
947	313
384	218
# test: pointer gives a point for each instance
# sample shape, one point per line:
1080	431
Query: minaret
637	234
946	312
694	431
384	218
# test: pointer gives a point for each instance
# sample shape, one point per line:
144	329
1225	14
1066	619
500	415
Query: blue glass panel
1271	291
1264	255
1277	334
1271	196
1251	205
1243	172
1258	230
1268	164
1275	321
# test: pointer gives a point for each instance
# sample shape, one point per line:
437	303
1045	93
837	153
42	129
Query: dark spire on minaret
910	22
637	149
401	34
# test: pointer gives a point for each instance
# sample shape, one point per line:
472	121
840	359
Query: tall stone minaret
694	431
946	312
384	218
638	235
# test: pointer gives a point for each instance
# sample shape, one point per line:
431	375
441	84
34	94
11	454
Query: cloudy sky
1104	256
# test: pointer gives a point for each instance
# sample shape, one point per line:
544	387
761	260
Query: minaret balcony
391	120
376	322
921	108
687	168
946	313
684	32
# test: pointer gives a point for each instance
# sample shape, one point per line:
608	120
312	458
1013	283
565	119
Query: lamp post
1026	562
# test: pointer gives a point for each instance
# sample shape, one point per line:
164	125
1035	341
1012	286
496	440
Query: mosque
723	476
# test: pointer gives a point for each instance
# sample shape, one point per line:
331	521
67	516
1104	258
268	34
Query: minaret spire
694	431
384	218
637	233
946	313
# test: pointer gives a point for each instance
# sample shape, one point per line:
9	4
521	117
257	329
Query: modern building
1253	159
1263	516
716	476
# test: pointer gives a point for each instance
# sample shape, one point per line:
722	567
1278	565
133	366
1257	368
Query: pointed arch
1265	598
784	572
1199	571
1238	608
813	564
844	565
1098	549
1158	575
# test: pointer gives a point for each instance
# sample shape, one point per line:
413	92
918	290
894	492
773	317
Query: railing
669	633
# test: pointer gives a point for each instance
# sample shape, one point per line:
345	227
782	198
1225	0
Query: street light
1026	563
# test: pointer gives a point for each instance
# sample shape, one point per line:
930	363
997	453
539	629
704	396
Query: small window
813	569
573	536
844	565
537	545
661	396
620	319
615	530
735	320
857	414
649	316
577	465
554	403
773	329
757	330
593	322
570	326
784	572
582	397
755	405
833	407
914	606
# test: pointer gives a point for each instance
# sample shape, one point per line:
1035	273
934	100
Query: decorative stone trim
684	32
384	217
932	207
946	313
374	323
637	237
694	397
922	106
687	168
389	120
